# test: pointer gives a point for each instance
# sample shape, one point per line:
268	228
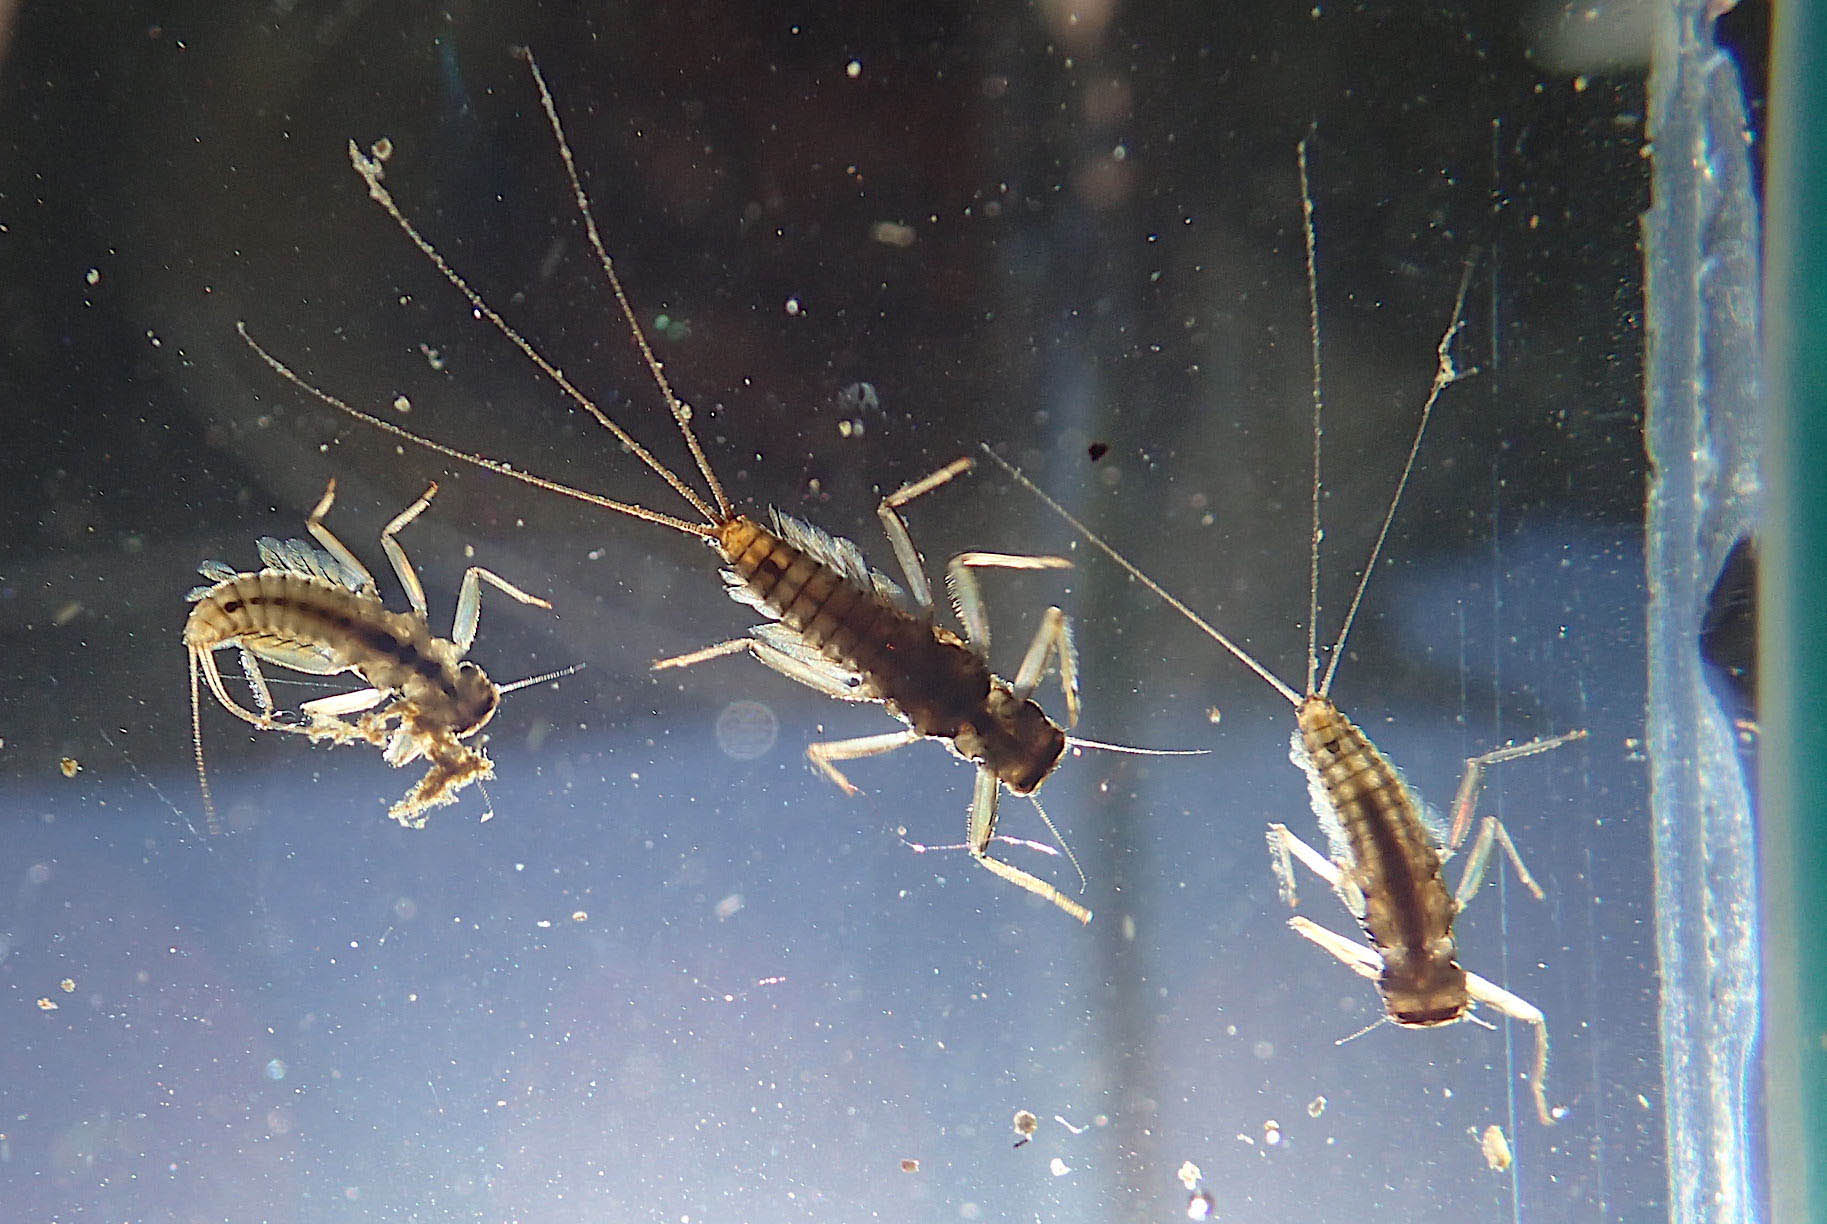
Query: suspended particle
402	405
68	985
382	149
892	233
1201	1205
1497	1154
1097	450
46	1003
1271	1132
909	1165
1316	1107
1190	1175
1025	1124
70	767
858	397
1058	1167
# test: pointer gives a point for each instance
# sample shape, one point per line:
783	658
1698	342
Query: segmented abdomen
821	589
315	626
1408	912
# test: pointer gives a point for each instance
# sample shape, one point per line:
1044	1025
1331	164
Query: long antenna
481	461
1445	375
1313	331
1243	656
681	412
371	170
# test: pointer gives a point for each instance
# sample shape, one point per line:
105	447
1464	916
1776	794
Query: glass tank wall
658	968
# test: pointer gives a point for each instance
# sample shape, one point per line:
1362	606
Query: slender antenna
1372	1027
530	681
681	412
371	171
1313	330
1171	601
1445	375
1054	829
493	465
1076	742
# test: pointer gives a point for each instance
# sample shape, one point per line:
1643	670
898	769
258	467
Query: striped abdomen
1408	912
929	677
310	625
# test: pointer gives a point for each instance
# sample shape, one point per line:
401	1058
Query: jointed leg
919	588
1485	991
1284	847
256	680
335	547
1492	831
982	830
212	675
968	599
1054	637
1359	958
823	755
344	703
771	645
409	578
1473	781
469	595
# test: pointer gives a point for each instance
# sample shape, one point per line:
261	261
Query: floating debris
1189	1175
893	234
68	985
1058	1167
70	766
1201	1205
1316	1107
46	1003
1497	1154
1025	1124
909	1165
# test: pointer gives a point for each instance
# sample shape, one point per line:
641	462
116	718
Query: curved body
318	612
311	625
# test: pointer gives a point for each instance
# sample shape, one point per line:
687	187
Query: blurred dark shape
1728	633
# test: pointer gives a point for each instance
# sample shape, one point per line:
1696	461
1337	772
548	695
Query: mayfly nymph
1387	855
318	611
834	624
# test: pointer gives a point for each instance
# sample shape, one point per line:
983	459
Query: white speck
793	306
853	69
94	276
1058	1167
